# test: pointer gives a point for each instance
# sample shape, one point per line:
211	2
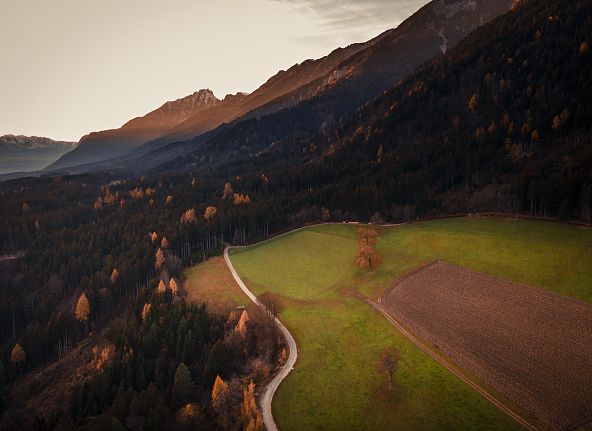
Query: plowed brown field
531	345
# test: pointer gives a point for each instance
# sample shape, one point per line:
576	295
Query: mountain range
30	153
317	92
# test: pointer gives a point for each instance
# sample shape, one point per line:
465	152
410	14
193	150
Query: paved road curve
288	366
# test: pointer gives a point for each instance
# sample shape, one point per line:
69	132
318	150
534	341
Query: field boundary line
272	386
379	306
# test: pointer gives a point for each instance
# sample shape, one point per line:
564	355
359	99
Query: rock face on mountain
29	153
337	84
107	144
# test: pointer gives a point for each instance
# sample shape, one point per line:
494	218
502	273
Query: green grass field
210	282
336	383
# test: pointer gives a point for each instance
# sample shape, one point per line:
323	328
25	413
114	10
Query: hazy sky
69	67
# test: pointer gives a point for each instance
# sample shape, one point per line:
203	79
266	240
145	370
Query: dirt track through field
532	346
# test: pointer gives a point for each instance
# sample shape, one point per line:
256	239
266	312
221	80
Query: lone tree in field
18	356
389	358
272	309
367	257
83	311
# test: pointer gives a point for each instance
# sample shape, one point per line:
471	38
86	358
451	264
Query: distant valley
30	153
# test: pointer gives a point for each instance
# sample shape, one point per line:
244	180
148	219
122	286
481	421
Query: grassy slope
210	282
335	382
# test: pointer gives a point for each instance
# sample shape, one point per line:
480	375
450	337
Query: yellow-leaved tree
250	414
146	311
210	212
174	287
219	394
82	311
114	276
241	326
227	190
18	356
160	259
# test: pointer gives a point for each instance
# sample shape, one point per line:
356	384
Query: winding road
270	389
287	367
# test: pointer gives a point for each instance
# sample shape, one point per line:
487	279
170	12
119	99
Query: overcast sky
69	67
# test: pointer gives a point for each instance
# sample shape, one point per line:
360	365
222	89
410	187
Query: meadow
336	383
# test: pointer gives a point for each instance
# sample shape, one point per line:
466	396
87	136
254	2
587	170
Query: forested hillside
492	125
500	123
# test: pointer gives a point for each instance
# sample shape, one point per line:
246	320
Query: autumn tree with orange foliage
188	416
82	311
228	190
239	199
164	243
114	276
250	414
146	311
241	326
160	259
219	394
210	213
189	216
18	356
367	256
174	287
161	287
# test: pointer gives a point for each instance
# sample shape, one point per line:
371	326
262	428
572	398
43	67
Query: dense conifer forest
493	125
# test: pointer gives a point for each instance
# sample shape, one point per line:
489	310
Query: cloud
359	16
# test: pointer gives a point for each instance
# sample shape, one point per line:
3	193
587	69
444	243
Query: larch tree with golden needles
164	243
18	356
210	213
227	190
250	414
146	311
114	276
189	216
153	237
241	326
473	102
159	260
219	394
82	311
174	287
161	287
188	416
